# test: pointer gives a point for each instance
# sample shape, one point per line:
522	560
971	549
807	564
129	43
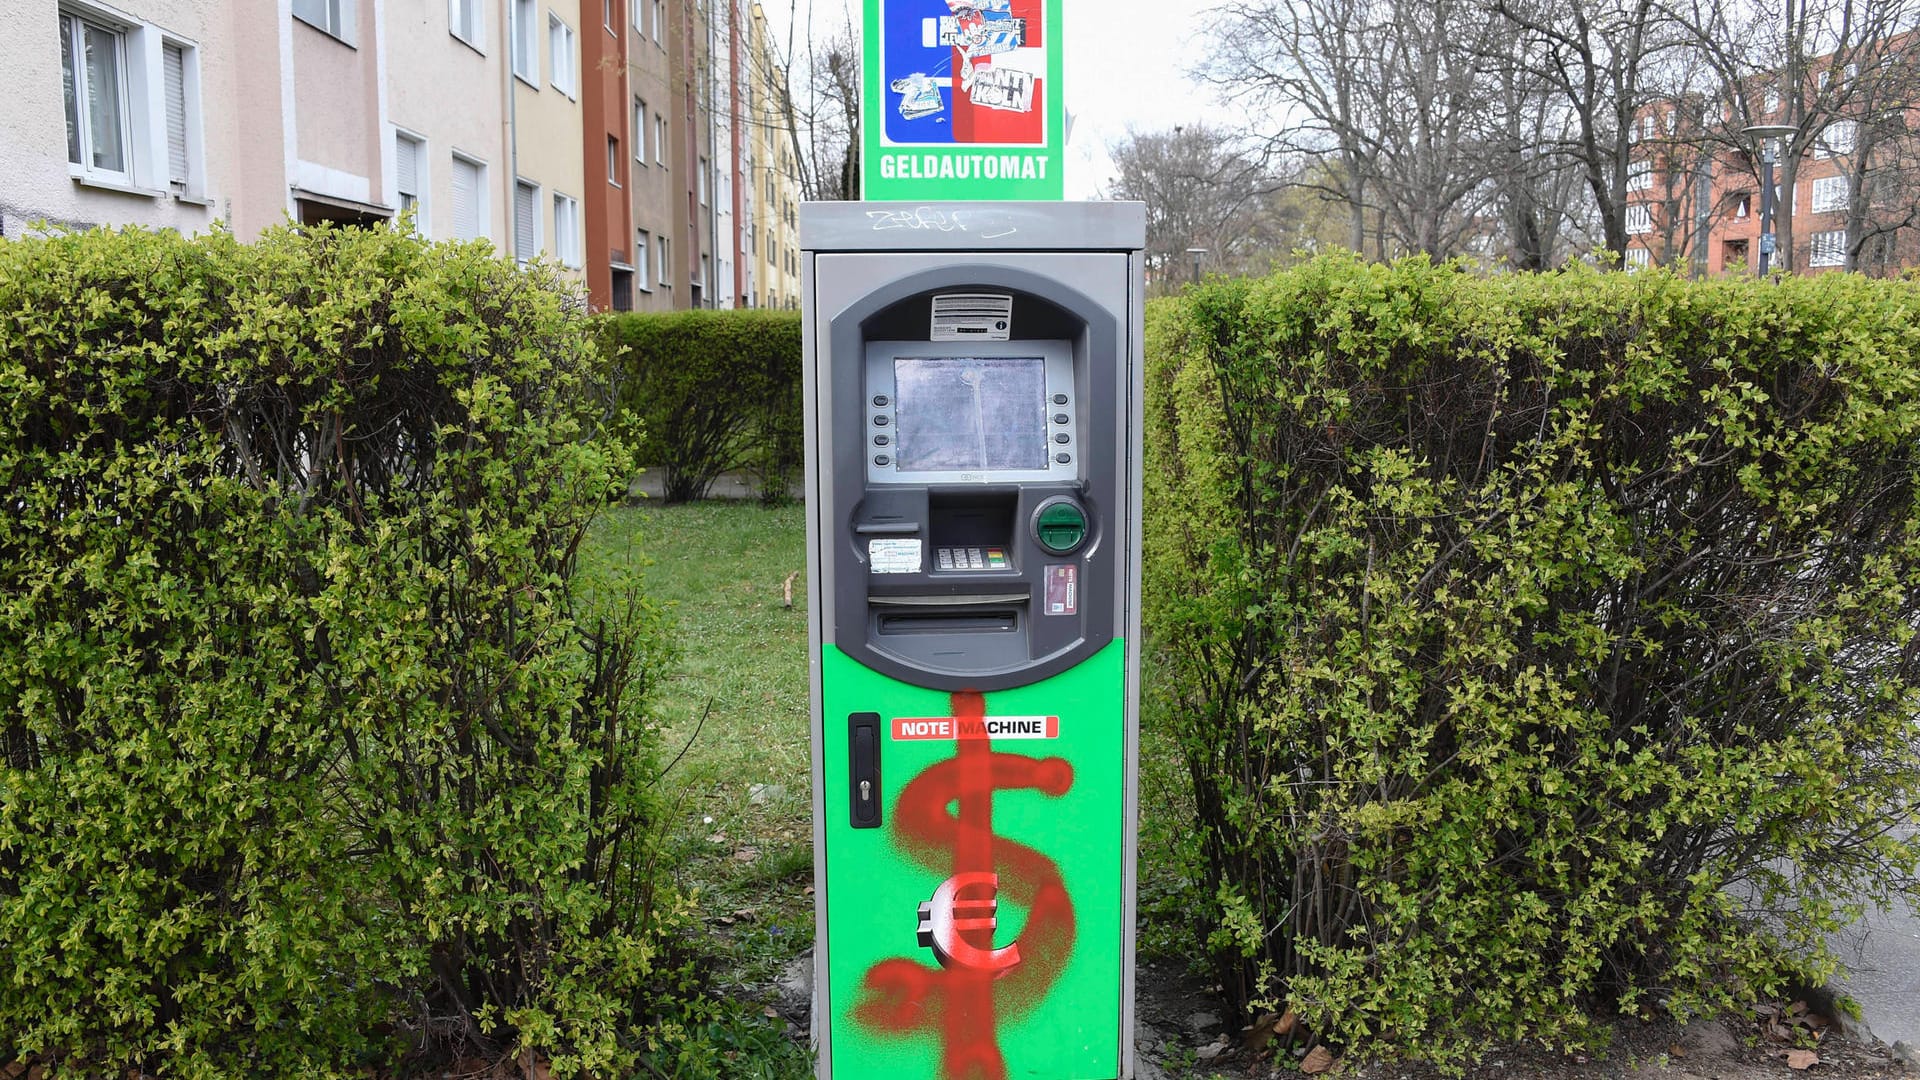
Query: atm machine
973	403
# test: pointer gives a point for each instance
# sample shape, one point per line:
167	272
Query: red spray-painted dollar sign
977	984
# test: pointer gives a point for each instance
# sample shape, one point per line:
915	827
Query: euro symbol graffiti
977	985
949	914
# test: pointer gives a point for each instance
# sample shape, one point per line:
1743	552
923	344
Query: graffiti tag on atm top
932	217
910	728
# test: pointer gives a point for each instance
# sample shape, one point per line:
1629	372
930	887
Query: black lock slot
863	746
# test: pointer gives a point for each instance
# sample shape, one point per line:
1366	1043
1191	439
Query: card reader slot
947	600
887	528
950	622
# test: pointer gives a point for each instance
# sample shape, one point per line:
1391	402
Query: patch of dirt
1179	1036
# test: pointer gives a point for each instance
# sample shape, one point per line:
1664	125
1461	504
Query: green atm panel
973	480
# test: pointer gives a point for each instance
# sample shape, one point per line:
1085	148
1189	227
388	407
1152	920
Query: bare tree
1200	191
1601	58
1390	98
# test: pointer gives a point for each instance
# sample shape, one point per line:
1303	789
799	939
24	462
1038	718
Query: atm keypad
971	558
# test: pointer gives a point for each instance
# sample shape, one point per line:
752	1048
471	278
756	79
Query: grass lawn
734	712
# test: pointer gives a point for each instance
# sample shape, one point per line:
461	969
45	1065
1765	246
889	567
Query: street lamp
1766	134
1196	252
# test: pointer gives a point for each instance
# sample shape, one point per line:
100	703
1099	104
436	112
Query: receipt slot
973	397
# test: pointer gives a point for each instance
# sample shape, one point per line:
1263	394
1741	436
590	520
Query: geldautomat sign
961	100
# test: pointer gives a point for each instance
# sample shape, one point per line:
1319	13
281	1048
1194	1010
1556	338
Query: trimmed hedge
715	392
313	757
1534	643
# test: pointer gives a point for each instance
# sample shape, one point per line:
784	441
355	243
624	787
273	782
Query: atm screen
970	413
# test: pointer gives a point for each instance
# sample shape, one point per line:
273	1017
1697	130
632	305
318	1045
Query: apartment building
766	177
593	133
1850	197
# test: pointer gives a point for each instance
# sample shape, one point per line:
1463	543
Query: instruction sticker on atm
917	728
893	556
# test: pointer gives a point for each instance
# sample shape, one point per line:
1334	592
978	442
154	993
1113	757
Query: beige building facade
471	116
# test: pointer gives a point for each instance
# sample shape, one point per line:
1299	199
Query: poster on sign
962	100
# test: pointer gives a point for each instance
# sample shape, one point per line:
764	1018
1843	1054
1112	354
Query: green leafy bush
311	754
715	391
1534	643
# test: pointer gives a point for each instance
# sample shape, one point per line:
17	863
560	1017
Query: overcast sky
1126	65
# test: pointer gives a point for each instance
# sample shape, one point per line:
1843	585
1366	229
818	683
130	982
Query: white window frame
706	187
459	12
566	230
1830	193
659	16
642	258
1836	139
660	135
563	56
422	180
536	210
333	18
523	42
1827	248
613	159
664	272
1640	175
1637	258
1639	218
639	110
74	24
482	210
140	96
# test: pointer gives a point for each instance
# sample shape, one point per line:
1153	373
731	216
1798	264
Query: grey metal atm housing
1040	294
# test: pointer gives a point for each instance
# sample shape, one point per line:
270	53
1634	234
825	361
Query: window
526	58
526	220
642	249
639	131
659	139
1829	194
469	199
1639	175
1838	138
466	22
1646	126
659	17
609	14
1828	248
93	61
1742	205
1638	258
566	230
701	183
1773	102
131	98
638	9
613	160
664	271
560	46
333	17
409	178
173	82
1639	218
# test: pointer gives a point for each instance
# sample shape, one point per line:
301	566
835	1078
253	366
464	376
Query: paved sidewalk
1882	955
